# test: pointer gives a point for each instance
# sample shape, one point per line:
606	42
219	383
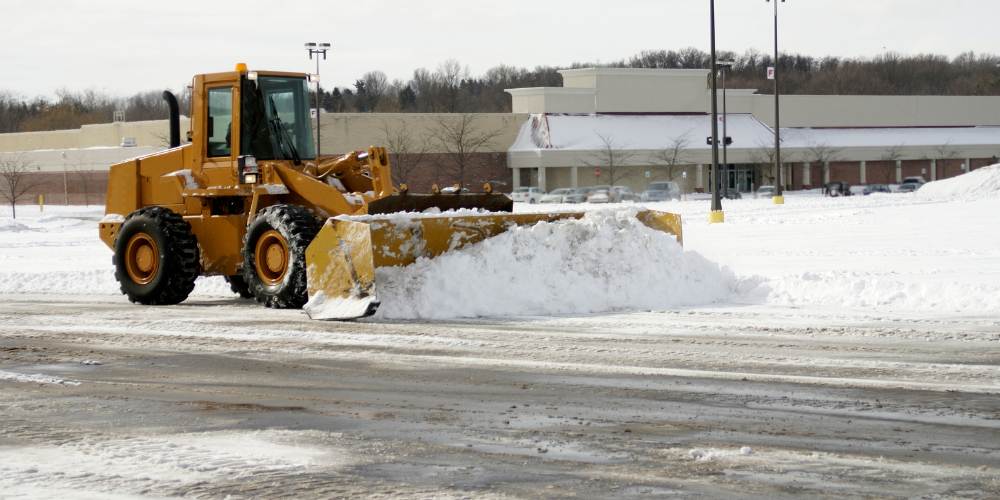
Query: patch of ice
35	378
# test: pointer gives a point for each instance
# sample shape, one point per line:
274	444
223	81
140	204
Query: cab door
221	132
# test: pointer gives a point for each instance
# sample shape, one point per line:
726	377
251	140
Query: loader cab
244	113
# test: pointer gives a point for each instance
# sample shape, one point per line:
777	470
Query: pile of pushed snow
980	183
606	261
12	226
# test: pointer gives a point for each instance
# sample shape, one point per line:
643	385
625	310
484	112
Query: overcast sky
126	46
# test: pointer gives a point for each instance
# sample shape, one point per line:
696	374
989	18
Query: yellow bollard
41	203
716	217
778	200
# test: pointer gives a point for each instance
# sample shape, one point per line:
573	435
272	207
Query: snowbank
980	183
12	226
607	261
881	291
59	252
90	282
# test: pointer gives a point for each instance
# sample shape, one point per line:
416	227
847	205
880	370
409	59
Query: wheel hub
142	258
271	257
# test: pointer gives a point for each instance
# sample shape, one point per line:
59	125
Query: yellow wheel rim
142	258
271	257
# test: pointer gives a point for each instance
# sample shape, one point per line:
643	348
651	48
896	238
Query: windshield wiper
281	134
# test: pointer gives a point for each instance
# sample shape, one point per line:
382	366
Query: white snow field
936	251
830	347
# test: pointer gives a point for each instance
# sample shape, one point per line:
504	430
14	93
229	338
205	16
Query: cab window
220	121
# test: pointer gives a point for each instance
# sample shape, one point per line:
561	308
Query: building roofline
636	71
549	90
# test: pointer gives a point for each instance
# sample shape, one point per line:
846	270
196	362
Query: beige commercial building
634	126
605	125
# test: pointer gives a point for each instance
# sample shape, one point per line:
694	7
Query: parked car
662	191
911	184
837	188
876	188
557	196
453	190
578	195
527	194
766	191
622	194
602	195
731	194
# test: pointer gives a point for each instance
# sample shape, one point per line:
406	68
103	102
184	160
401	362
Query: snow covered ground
827	347
936	251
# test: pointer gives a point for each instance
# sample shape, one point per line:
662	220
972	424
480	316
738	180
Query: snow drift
980	183
606	261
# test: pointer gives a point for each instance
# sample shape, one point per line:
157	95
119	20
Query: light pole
317	49
716	216
725	65
779	196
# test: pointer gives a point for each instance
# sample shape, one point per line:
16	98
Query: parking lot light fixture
716	215
779	194
317	49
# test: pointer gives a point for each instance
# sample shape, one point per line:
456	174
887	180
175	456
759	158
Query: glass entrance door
739	178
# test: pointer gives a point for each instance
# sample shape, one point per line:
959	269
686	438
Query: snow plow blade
342	259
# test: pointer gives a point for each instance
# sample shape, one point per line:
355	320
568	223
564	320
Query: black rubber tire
298	226
179	259
239	286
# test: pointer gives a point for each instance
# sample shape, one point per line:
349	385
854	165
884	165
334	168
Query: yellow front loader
248	197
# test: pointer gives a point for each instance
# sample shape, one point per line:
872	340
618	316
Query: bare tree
408	150
612	158
84	181
461	137
822	153
15	180
374	86
673	155
892	154
763	157
943	153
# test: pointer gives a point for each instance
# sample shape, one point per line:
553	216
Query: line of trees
71	109
451	88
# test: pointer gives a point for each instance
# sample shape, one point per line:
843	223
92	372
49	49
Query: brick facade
90	187
440	169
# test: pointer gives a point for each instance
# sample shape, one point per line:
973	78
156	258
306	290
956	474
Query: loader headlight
248	171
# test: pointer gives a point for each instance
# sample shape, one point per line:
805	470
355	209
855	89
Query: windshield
276	123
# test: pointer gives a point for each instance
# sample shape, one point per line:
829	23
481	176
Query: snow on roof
892	136
638	132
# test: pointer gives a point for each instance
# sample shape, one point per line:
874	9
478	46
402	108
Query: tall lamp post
317	49
725	66
716	216
779	196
